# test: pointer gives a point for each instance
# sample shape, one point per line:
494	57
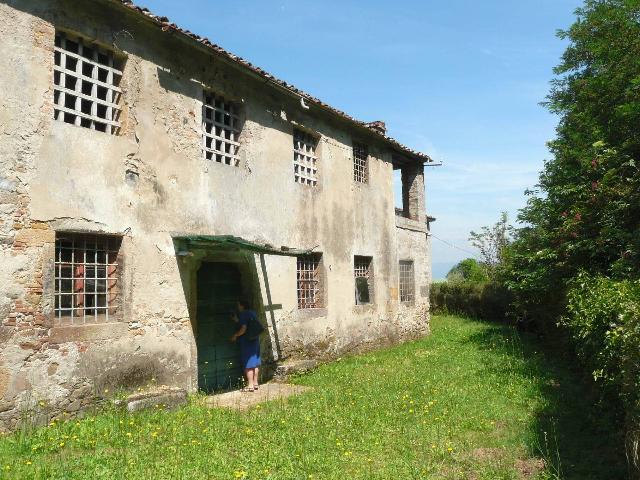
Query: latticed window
305	162
86	278
220	130
364	279
310	281
407	281
360	163
86	79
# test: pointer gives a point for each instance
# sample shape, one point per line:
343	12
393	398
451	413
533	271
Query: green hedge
603	318
485	300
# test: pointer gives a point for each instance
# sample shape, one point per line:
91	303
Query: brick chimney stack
379	126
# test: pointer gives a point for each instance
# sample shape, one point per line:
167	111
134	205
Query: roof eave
207	46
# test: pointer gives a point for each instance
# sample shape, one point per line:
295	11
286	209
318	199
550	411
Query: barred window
363	274
86	79
305	162
360	163
86	278
220	130
309	281
407	281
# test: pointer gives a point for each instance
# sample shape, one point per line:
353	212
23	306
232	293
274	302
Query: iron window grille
305	161
220	130
87	270
86	79
363	274
407	281
360	163
309	283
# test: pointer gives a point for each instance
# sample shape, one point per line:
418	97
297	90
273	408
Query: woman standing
249	347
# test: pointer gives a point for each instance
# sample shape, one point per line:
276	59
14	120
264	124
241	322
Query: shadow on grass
578	436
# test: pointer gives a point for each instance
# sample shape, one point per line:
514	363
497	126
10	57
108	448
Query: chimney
378	126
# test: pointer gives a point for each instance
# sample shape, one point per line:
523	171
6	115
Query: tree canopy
468	270
585	212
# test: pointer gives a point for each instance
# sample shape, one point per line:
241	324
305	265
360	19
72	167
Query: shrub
469	270
485	300
603	318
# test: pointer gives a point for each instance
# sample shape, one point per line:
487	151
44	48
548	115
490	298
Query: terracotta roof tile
164	23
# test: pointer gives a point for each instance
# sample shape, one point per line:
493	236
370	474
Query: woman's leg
248	372
255	377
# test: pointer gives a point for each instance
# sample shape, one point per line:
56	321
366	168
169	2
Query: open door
219	288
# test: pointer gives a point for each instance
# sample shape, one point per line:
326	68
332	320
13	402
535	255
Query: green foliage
603	316
473	400
492	242
481	300
468	270
585	212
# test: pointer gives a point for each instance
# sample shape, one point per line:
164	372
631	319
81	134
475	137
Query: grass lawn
472	401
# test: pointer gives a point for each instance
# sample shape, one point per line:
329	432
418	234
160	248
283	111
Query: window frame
363	268
405	281
84	307
360	165
92	78
308	162
229	134
318	291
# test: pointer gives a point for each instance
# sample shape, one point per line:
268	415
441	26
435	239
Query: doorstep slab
238	400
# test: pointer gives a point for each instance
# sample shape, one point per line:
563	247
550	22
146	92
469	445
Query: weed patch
473	400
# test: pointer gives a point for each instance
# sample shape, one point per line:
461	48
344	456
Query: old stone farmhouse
149	178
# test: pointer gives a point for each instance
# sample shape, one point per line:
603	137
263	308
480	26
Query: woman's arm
239	333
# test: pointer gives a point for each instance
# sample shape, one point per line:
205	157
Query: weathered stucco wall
151	181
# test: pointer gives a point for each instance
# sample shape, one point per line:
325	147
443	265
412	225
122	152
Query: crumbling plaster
151	181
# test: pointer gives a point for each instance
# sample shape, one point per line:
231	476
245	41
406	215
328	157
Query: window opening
86	80
305	162
86	278
397	192
220	130
360	163
364	279
407	286
309	281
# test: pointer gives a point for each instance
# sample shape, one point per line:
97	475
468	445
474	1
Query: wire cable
475	255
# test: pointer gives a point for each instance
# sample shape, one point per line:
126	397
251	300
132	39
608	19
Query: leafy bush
469	270
484	300
603	317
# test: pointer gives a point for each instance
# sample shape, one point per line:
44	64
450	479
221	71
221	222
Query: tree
492	243
585	212
468	270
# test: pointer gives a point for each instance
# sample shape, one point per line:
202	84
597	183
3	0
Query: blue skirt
250	352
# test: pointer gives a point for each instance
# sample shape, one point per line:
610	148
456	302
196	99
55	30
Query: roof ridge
166	25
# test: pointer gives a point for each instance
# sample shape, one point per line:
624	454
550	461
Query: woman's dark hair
245	303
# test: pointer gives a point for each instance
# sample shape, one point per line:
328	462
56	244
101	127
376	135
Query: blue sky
458	79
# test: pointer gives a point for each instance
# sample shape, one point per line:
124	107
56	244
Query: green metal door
219	288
